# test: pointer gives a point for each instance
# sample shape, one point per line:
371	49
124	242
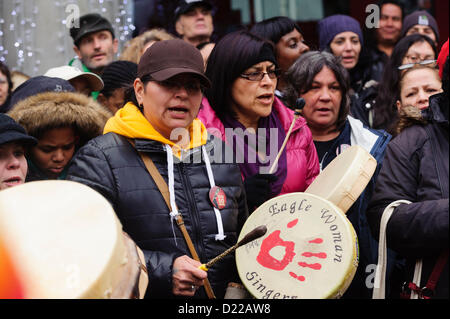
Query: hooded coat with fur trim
415	168
48	110
44	111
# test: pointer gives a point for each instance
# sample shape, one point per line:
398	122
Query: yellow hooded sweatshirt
130	122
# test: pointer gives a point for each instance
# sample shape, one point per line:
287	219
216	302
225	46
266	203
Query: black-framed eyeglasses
258	76
411	65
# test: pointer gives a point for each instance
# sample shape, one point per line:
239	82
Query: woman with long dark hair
242	108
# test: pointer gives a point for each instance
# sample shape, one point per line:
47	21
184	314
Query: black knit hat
118	74
185	5
11	131
87	24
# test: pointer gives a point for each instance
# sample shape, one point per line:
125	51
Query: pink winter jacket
302	160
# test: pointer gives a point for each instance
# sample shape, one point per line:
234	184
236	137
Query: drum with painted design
308	252
345	178
65	241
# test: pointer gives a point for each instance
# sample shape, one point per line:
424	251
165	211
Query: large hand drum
309	251
345	178
65	241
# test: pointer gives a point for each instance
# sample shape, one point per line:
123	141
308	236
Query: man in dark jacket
416	168
113	164
380	41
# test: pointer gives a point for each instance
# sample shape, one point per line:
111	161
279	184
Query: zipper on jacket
194	212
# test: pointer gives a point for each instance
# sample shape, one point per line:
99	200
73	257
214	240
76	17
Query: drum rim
351	263
95	286
348	195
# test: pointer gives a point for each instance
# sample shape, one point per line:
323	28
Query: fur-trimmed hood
49	110
437	112
409	116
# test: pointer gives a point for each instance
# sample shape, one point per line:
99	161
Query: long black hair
386	113
231	56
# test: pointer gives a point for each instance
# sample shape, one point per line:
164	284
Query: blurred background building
34	35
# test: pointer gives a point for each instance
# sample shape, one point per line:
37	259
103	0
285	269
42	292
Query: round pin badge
217	197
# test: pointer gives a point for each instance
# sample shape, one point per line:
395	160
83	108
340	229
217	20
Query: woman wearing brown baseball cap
159	123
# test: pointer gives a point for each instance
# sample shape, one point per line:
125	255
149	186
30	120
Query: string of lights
34	34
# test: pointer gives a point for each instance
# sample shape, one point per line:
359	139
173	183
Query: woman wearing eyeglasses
159	125
242	109
323	82
410	49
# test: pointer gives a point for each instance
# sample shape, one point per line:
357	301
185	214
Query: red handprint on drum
274	240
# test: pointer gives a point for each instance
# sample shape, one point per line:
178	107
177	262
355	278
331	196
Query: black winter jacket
112	166
365	77
415	168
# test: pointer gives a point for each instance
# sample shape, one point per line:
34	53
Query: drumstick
254	234
299	104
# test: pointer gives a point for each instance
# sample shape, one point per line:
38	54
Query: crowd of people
215	116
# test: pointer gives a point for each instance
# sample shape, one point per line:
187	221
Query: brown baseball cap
165	59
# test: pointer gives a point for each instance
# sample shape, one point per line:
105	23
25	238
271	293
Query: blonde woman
137	46
415	168
417	84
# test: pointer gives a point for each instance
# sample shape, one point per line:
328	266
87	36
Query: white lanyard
174	212
220	235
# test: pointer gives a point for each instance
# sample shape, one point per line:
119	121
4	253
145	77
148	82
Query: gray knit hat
421	17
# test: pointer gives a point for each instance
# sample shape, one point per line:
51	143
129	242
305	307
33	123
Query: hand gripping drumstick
299	104
254	234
